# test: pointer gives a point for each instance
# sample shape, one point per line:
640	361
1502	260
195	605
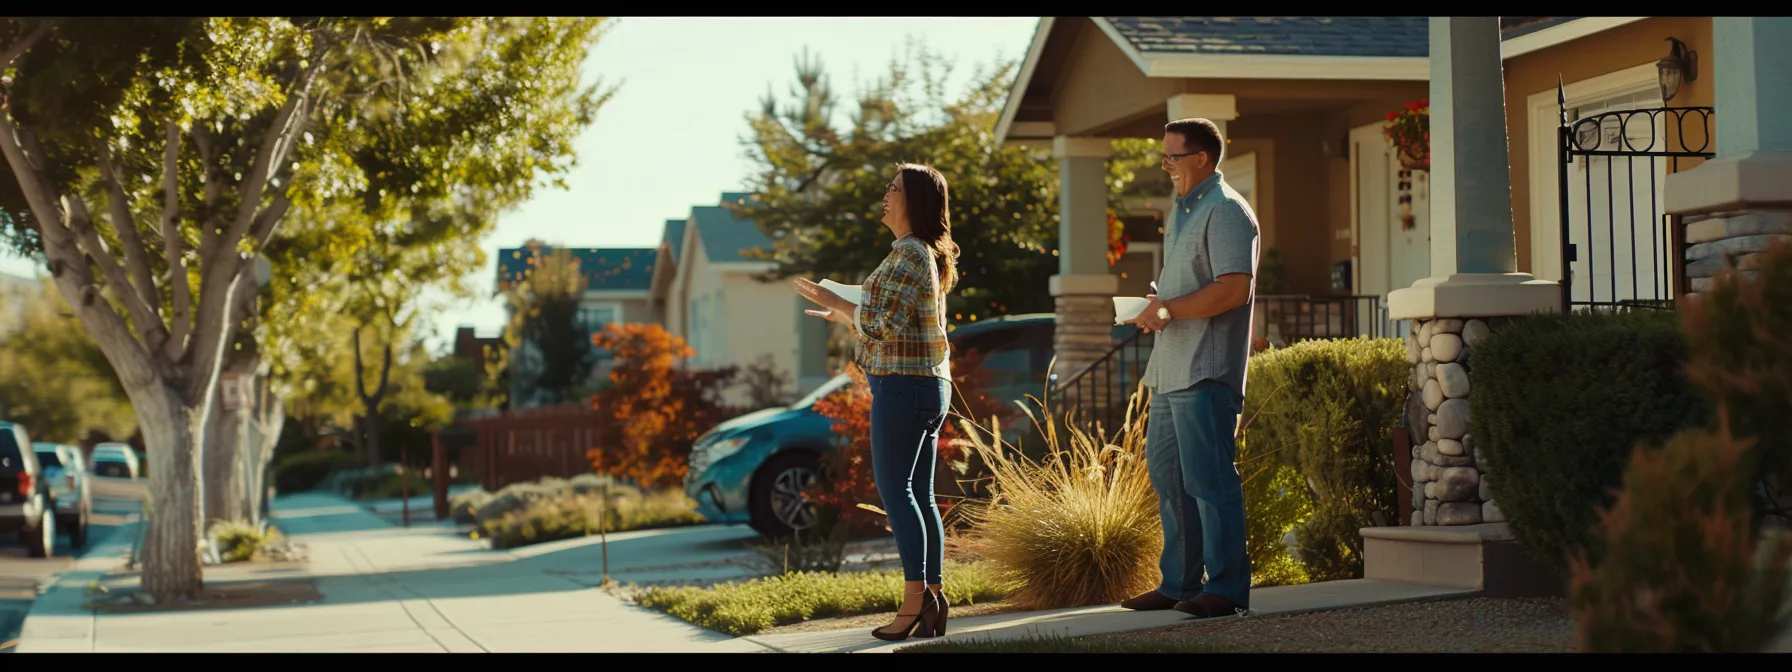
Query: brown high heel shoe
922	626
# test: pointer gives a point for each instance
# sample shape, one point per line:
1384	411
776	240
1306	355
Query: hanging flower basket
1409	131
1117	238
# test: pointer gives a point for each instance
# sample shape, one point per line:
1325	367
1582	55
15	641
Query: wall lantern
1681	65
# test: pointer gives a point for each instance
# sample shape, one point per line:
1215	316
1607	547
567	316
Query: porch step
1483	557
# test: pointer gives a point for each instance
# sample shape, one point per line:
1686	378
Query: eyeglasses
1172	158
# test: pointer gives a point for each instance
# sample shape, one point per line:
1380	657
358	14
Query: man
1197	377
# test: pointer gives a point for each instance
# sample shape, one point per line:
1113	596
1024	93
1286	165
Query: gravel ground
1475	625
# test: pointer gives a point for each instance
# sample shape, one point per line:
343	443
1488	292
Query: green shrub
749	607
464	506
307	471
1683	570
1275	501
238	541
571	516
1559	401
1327	409
1739	338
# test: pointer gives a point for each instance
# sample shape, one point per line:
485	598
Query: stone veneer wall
1717	239
1084	333
1449	483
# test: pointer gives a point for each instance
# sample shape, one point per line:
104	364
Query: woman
901	330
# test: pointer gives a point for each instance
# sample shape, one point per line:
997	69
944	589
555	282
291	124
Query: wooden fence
518	446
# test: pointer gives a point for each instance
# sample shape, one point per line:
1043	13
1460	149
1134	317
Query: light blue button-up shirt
1212	232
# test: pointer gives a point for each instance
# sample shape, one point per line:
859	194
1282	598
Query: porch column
1737	203
1083	287
1218	108
1473	288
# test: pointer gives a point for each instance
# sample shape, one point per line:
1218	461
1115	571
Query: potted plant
1409	131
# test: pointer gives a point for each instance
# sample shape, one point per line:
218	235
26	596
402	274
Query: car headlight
721	449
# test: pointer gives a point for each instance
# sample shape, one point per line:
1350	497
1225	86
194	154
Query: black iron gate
1649	269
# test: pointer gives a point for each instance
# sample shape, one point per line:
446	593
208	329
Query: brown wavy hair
928	199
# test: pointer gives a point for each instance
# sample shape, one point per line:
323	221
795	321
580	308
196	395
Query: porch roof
1193	48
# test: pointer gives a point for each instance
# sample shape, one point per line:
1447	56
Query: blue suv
755	468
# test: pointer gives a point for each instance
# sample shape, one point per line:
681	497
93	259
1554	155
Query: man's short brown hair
1201	135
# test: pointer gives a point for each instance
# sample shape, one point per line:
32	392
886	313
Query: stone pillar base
1449	483
1733	208
1085	327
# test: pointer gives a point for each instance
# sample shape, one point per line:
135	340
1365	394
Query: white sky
670	138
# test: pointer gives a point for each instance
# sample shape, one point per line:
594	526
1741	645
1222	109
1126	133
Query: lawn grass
749	607
1062	644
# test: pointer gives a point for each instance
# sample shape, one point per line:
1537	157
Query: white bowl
1128	307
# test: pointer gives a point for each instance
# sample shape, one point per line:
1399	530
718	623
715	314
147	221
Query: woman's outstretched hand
834	308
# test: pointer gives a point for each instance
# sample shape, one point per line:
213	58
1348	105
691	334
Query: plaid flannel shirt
901	326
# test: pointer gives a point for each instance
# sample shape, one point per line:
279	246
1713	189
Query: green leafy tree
550	354
151	159
53	378
820	184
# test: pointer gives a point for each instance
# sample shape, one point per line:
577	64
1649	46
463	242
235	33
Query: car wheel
778	503
41	542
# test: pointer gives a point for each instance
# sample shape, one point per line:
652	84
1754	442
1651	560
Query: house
617	284
1302	101
708	286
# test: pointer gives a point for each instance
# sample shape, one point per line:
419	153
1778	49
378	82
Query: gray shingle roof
723	236
1279	35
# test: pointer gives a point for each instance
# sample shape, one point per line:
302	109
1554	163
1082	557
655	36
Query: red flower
1392	116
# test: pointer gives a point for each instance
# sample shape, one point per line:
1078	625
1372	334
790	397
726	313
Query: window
594	318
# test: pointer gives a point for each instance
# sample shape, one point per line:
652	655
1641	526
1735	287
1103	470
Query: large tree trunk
270	419
172	431
226	489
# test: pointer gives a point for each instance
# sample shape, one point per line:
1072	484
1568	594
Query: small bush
1327	409
1739	340
238	541
748	607
307	471
1559	401
1682	571
571	516
464	507
1078	527
820	549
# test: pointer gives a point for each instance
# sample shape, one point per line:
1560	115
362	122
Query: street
115	502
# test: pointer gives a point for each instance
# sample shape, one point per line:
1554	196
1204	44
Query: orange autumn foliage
658	408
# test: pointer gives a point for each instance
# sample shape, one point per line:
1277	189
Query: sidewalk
385	589
1113	618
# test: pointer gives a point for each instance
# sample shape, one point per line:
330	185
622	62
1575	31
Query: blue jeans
1191	454
906	415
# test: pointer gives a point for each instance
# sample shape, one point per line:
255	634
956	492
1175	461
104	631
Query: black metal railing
1097	394
1643	265
1284	320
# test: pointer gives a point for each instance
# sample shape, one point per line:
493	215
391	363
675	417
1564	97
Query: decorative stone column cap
1475	295
1090	284
1216	107
1743	182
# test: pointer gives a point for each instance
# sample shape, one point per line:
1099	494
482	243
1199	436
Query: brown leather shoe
1150	601
1209	605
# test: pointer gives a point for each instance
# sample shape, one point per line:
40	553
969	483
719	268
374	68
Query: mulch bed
220	595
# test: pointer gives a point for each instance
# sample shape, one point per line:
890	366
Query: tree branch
213	187
136	256
360	369
132	363
24	44
182	320
80	222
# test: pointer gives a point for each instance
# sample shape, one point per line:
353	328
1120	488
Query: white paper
1128	307
854	294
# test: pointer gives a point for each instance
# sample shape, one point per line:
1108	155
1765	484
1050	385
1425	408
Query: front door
1393	248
